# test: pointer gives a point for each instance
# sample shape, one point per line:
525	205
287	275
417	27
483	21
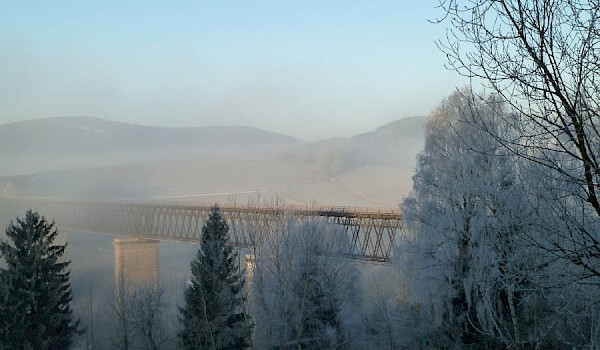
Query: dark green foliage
35	292
320	305
214	316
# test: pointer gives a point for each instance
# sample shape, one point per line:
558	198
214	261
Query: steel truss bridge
373	233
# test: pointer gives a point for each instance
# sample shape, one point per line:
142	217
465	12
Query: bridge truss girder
373	234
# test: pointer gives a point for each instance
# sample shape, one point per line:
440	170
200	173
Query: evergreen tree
214	316
35	296
319	303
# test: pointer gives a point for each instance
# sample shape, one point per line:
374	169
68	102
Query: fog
94	159
299	104
98	159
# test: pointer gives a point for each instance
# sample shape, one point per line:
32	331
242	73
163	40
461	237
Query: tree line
301	295
504	217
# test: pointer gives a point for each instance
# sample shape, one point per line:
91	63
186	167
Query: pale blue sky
311	69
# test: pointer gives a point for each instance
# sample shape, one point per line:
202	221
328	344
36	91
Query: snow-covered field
223	181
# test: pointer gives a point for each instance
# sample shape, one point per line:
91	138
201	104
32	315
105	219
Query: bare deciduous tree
119	331
148	315
542	57
138	318
303	287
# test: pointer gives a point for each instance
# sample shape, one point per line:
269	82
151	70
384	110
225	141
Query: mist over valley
92	158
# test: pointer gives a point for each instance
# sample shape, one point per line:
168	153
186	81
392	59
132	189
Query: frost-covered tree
470	222
542	57
138	317
389	320
35	312
571	291
214	315
305	291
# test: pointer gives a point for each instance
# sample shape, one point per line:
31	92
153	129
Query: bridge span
373	232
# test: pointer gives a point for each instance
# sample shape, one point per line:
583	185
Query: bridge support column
136	262
250	262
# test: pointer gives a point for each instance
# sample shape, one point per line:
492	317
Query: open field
202	180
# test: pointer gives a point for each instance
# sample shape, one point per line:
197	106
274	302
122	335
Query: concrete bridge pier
136	262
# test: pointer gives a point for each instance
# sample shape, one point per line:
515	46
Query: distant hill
77	142
394	144
86	135
398	131
94	158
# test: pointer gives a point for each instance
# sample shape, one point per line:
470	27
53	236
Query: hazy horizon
312	70
358	132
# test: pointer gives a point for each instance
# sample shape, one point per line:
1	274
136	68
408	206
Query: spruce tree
214	316
35	296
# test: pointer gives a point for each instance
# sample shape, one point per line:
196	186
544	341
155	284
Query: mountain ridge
395	143
80	142
80	135
336	171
